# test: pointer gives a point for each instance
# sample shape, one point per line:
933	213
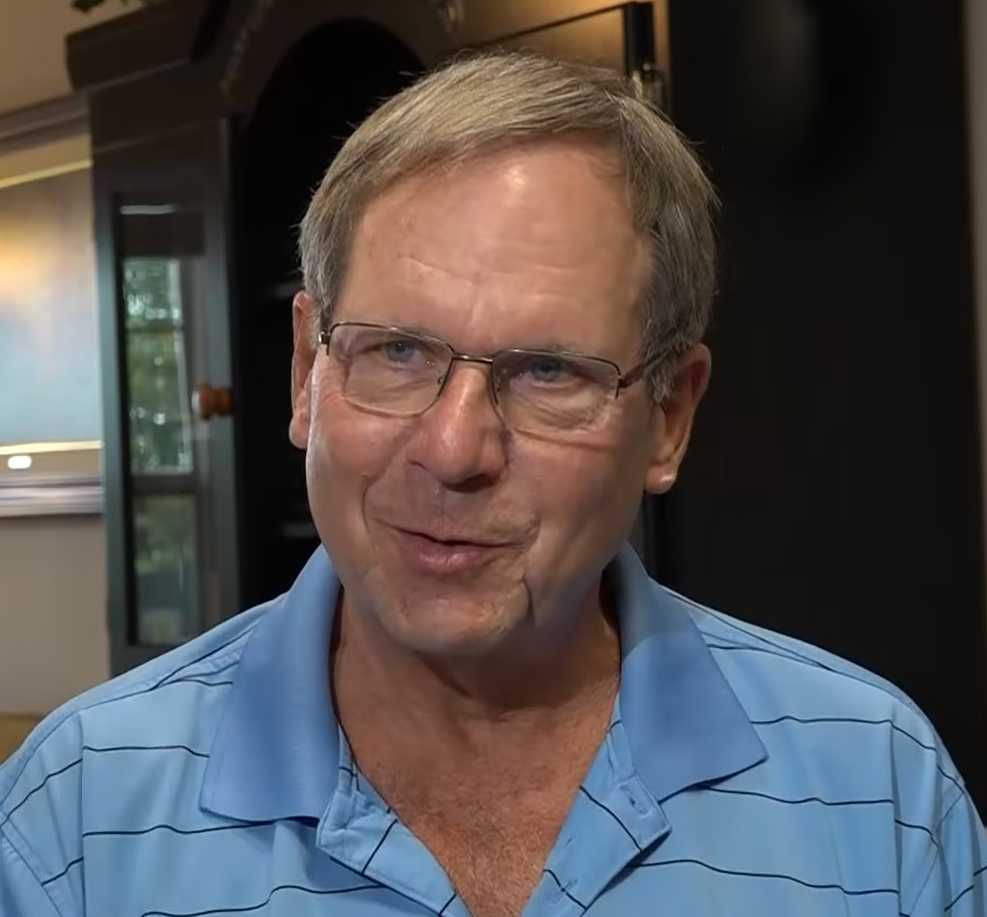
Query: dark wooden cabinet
163	225
833	487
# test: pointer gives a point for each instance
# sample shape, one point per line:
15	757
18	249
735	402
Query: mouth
445	553
454	541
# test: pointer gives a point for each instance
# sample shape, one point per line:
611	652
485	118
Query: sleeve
956	884
40	825
21	893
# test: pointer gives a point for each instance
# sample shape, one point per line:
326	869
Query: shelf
281	292
299	530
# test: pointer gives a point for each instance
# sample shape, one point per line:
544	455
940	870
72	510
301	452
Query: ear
672	421
303	312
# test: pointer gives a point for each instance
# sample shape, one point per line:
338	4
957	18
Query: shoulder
125	701
790	687
168	692
802	675
830	727
171	704
853	751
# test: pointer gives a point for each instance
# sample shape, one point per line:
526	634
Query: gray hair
478	104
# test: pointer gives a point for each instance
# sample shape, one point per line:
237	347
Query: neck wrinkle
473	701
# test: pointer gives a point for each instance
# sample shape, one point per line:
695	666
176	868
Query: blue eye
546	369
400	350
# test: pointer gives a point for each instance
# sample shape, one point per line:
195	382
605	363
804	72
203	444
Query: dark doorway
325	86
832	491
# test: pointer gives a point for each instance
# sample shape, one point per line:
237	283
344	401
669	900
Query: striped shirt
744	773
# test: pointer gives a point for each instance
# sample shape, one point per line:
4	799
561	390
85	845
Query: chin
457	646
451	627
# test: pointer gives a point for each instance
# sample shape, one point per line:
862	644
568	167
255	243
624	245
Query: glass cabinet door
162	266
171	508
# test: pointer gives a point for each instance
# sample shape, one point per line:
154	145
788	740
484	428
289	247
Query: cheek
347	448
586	501
578	492
339	455
348	453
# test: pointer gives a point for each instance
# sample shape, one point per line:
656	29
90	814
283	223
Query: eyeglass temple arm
633	375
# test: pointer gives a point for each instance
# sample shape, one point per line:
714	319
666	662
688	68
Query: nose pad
443	381
493	386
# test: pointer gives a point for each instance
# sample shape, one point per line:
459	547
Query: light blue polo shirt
743	774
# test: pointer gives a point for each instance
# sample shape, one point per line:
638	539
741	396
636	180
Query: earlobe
302	362
661	482
298	426
664	459
673	421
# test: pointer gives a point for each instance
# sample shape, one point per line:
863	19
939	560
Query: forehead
525	247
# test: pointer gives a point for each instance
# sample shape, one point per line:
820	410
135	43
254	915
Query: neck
526	686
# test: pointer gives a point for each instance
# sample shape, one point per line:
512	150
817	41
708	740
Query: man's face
453	532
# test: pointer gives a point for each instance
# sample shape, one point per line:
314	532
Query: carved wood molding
23	128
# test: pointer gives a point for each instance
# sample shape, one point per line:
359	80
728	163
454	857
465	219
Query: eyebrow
542	346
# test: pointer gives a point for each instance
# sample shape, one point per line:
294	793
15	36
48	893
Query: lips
454	541
446	554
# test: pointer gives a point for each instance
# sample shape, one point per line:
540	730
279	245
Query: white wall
53	636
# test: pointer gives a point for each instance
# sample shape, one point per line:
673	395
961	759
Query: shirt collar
276	752
684	725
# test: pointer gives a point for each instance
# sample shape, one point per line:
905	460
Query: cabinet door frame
192	162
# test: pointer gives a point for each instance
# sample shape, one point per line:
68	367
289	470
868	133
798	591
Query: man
473	700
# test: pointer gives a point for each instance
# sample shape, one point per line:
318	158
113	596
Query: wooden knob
209	402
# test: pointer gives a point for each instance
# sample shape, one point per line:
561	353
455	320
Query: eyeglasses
400	373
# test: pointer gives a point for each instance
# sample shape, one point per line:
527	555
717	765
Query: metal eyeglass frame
624	380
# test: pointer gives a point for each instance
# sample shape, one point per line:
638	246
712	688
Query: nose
461	438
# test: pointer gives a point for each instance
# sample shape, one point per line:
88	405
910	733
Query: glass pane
160	421
163	280
166	576
163	294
